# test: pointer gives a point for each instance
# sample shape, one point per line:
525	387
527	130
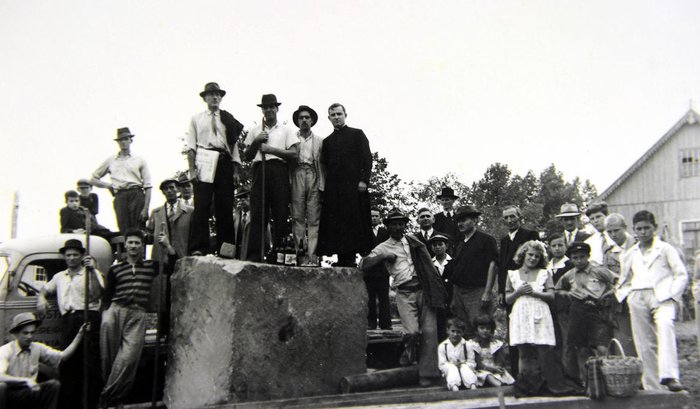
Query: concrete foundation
245	331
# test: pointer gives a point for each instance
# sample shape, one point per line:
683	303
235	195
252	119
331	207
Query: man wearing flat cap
569	218
473	269
19	365
69	288
211	141
419	292
346	228
274	143
130	183
308	181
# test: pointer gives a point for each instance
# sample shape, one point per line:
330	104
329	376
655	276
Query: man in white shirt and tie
216	131
599	241
569	218
426	231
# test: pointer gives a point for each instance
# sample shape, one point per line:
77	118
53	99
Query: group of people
566	296
114	333
321	182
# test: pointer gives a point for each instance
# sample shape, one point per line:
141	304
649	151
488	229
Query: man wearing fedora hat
419	292
473	269
569	217
69	289
213	131
184	185
308	181
130	183
345	227
241	222
444	221
19	365
276	144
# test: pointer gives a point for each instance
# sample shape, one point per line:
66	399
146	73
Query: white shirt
426	232
70	292
599	243
280	136
401	270
441	265
306	149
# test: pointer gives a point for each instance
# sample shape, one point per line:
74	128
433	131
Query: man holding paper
212	154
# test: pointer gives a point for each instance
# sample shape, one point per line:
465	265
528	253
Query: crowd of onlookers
565	296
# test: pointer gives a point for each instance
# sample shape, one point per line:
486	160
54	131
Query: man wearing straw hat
212	133
69	289
19	365
271	145
569	217
308	181
130	183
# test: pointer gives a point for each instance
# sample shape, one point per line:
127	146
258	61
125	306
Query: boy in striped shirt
122	333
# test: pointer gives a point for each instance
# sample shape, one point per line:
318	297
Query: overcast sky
439	86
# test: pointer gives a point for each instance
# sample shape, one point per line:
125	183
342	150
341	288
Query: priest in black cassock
346	227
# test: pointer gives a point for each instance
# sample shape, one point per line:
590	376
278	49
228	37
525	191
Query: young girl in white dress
530	290
489	354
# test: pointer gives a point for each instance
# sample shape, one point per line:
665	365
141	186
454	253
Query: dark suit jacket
449	227
241	234
508	249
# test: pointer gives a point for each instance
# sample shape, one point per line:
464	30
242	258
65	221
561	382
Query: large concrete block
247	331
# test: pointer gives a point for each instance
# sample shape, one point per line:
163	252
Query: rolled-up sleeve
146	175
103	169
191	136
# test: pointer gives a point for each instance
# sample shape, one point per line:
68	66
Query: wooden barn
665	181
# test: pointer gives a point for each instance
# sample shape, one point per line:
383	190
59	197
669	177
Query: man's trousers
306	206
128	205
71	370
419	319
221	192
276	205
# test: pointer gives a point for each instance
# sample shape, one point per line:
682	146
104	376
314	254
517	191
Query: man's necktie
425	235
213	123
170	210
449	215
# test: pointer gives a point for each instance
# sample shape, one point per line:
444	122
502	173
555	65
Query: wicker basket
622	374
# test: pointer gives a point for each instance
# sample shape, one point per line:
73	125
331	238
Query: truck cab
26	265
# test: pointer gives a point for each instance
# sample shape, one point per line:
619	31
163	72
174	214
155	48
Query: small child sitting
73	218
489	354
456	359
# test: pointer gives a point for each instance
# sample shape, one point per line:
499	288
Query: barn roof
690	117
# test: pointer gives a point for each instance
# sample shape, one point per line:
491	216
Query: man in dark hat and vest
307	182
276	144
444	220
241	222
346	228
130	183
213	159
69	288
473	269
19	365
419	292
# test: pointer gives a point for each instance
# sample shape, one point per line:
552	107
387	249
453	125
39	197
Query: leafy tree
386	190
555	191
425	193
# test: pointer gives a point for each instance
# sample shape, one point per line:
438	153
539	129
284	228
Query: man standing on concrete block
274	143
123	328
345	217
130	183
211	141
307	182
419	292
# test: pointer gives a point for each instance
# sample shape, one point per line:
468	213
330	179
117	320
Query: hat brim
395	219
63	250
295	116
448	196
275	104
220	92
465	215
167	181
24	324
123	136
569	214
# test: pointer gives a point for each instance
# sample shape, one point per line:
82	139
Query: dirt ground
689	359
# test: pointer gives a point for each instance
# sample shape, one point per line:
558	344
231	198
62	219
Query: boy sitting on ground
456	358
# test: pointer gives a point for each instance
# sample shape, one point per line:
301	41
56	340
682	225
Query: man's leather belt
413	285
